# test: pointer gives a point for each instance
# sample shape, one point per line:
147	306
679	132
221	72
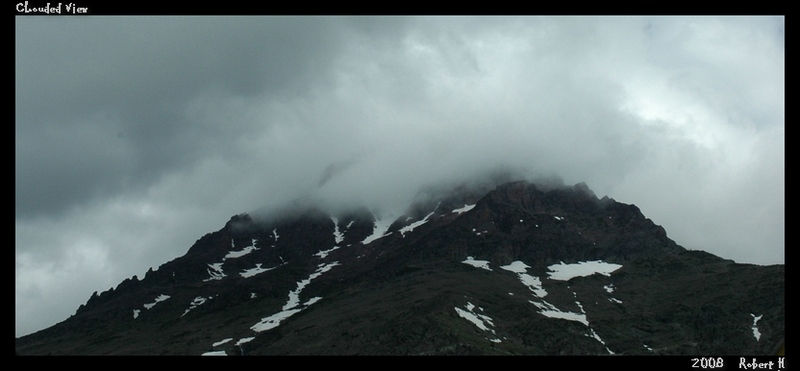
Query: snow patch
482	321
464	209
379	230
198	301
215	272
564	272
221	342
322	254
596	337
337	235
246	250
416	224
313	300
610	289
160	298
247	273
516	267
483	264
244	340
273	321
756	333
215	353
550	310
533	282
292	305
294	296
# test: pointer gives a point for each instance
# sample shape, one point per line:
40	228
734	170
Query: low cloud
135	136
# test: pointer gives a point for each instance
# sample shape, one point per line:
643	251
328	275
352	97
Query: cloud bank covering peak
134	136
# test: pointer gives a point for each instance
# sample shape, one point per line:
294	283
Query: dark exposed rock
411	293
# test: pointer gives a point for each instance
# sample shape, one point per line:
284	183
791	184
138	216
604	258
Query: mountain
516	268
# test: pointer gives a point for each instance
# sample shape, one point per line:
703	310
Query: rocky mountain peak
482	268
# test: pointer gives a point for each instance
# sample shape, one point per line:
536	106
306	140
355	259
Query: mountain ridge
469	271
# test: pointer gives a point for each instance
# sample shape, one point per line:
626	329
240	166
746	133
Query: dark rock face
515	269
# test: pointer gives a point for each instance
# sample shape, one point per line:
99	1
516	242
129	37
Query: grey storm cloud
106	102
134	136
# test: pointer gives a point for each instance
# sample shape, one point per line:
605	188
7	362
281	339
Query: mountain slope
519	268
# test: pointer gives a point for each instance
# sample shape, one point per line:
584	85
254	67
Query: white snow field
483	322
561	272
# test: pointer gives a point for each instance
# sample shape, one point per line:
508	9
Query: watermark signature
51	8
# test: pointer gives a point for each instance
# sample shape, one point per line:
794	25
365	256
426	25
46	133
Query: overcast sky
135	136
